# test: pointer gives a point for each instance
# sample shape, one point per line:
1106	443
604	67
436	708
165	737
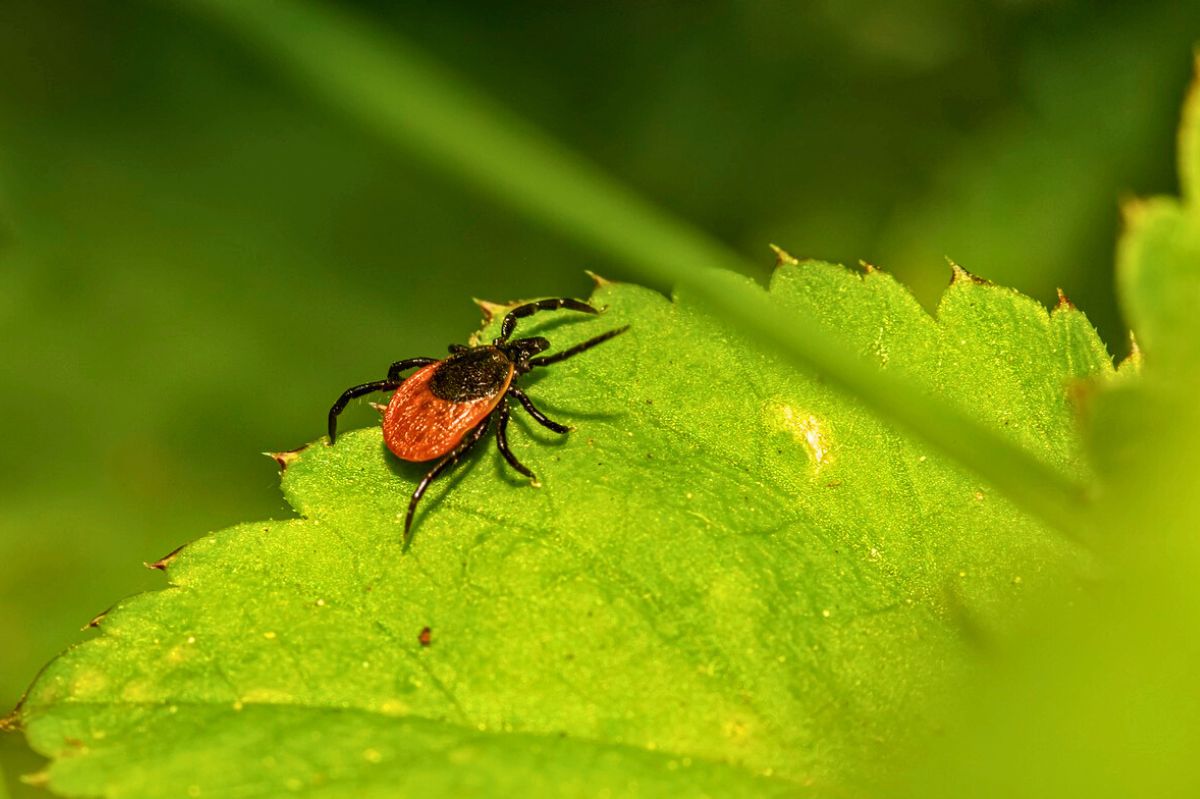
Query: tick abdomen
418	425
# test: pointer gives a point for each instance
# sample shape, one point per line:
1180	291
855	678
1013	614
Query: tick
445	407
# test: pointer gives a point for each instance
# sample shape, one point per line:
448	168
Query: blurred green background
195	257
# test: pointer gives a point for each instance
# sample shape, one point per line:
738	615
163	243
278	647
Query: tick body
447	406
438	404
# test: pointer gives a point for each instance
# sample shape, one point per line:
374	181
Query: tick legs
546	360
537	415
392	382
528	309
351	393
399	366
502	441
471	439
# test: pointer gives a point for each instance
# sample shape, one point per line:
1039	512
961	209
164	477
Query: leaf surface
733	580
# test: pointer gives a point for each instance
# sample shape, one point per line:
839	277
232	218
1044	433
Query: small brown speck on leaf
426	636
1080	394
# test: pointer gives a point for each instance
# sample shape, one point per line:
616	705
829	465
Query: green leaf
733	580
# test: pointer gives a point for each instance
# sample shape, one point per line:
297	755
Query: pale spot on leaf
808	430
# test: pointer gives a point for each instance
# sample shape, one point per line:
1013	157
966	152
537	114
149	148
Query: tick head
521	350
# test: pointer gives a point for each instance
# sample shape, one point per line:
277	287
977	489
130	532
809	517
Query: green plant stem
394	91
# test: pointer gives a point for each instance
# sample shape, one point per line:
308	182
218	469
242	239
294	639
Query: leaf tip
287	457
489	308
96	620
599	280
783	257
1134	358
958	275
1064	302
1132	210
162	563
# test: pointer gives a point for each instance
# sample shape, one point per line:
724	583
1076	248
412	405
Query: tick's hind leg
351	393
537	415
455	455
502	442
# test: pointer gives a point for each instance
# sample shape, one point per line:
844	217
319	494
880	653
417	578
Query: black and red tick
446	406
